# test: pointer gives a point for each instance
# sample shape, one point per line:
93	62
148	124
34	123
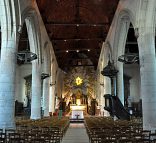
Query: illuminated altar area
78	105
77	111
79	90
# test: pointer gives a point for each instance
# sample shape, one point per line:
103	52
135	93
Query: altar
77	111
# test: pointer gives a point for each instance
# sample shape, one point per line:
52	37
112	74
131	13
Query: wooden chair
125	138
2	140
16	140
137	137
45	129
29	136
95	138
125	141
3	135
8	131
37	141
13	138
152	137
46	137
146	135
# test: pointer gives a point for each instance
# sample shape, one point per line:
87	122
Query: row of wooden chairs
106	130
49	136
35	132
50	121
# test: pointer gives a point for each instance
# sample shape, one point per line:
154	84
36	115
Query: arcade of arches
52	54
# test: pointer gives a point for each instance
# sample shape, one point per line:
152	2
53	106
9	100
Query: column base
35	118
7	125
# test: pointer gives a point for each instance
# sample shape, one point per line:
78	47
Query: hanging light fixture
26	56
44	75
129	58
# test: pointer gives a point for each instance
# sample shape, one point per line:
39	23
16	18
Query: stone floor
76	133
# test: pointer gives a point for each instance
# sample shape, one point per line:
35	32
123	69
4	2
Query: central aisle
76	134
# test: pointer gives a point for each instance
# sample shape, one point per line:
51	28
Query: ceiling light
67	51
77	51
77	25
65	40
88	50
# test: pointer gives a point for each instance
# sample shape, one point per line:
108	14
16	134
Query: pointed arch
29	15
123	21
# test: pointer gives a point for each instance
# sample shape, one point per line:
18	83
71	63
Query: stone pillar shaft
51	99
148	79
102	99
107	90
46	97
121	51
36	91
120	84
7	83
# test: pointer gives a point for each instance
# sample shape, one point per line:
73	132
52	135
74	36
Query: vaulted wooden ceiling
76	28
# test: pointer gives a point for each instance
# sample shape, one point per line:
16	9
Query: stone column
120	83
7	82
107	90
102	100
51	99
121	51
46	85
146	44
101	87
36	91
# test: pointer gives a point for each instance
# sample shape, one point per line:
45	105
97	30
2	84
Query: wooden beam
77	39
76	24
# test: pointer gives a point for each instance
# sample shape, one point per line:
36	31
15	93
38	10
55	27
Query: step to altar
76	120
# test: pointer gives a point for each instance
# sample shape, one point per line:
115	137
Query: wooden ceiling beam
76	24
75	50
77	39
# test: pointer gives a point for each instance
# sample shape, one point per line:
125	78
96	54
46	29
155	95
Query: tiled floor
76	134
